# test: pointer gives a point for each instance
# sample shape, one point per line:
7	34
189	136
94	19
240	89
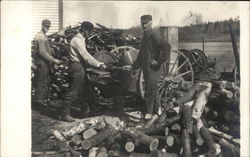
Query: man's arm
80	46
43	50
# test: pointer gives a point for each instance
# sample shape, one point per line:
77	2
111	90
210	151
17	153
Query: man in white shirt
79	59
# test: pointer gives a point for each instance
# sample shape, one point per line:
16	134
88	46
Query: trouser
152	97
41	80
75	90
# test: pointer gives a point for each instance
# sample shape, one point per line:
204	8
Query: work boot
68	118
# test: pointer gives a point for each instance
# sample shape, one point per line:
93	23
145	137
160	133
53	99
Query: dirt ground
46	120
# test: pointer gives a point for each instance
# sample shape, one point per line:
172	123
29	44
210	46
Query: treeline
210	31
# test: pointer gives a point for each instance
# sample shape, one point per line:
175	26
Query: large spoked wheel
199	62
119	50
176	78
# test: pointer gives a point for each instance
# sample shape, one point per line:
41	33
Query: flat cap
146	18
87	25
46	22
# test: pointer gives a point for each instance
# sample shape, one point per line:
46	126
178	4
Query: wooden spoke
182	74
181	66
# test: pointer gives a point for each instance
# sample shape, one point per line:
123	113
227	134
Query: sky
126	14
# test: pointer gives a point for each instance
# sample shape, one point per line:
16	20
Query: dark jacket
153	47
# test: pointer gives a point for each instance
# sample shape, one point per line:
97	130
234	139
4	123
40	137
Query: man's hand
56	61
127	67
153	63
103	67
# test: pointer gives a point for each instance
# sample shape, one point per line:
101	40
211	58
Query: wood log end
199	141
129	146
154	144
170	141
85	145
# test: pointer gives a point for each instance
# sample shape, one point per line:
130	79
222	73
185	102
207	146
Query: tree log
214	149
98	138
224	92
93	152
225	136
189	94
201	101
162	141
197	137
186	143
160	127
102	152
231	147
89	133
150	142
110	141
151	121
187	121
172	140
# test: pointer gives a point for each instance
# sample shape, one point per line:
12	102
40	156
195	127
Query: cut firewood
197	137
201	101
150	142
160	127
225	136
185	140
162	141
151	121
102	152
98	138
89	133
129	146
188	96
231	147
172	140
93	152
187	121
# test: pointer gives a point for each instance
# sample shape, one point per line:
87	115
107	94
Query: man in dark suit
154	51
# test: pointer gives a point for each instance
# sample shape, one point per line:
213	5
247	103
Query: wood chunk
201	101
98	138
185	138
89	133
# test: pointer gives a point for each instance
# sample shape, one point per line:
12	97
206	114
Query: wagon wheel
199	62
118	50
174	81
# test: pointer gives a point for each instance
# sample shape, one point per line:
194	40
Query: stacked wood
98	138
197	137
186	144
149	142
225	136
201	101
160	127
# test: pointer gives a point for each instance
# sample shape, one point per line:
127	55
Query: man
79	59
43	57
153	53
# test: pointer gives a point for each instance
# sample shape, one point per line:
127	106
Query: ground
46	120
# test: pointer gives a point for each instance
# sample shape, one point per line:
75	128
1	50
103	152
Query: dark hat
146	18
46	22
87	25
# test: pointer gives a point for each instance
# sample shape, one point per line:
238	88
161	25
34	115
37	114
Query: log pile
208	126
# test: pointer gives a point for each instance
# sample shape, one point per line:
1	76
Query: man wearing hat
43	57
153	53
79	60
